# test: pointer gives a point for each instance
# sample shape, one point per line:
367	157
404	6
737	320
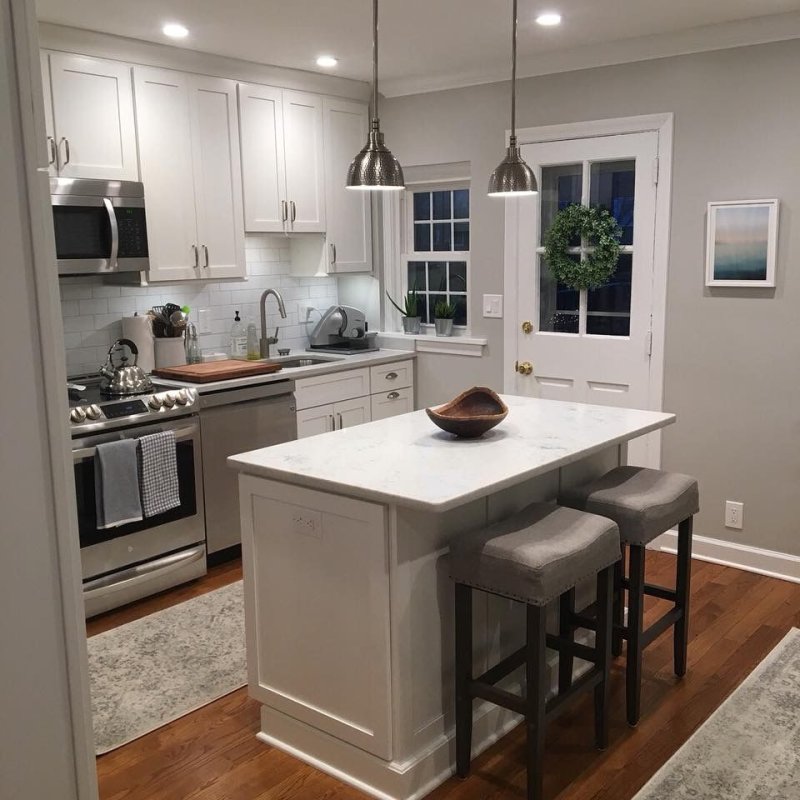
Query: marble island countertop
407	460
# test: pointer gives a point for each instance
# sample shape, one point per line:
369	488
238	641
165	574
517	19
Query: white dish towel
116	484
158	473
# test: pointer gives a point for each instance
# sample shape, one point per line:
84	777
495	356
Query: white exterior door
264	166
305	177
93	118
164	121
590	346
217	178
348	213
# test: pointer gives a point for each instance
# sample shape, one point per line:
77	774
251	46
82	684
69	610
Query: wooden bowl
471	414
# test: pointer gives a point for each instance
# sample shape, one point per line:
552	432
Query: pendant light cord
375	60
513	139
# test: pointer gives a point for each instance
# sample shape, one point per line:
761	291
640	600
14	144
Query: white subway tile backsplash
92	310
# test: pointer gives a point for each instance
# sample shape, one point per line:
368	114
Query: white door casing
584	366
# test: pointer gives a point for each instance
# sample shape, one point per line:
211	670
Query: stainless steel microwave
100	226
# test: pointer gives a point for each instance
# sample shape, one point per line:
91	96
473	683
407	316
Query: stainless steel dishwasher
235	421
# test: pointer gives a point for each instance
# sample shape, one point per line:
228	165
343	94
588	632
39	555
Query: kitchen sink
304	361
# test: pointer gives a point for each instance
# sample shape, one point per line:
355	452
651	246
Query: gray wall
731	370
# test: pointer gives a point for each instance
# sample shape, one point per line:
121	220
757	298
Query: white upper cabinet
189	150
90	118
282	160
345	126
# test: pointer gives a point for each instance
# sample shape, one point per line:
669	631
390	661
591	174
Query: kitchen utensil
207	372
471	414
178	319
124	378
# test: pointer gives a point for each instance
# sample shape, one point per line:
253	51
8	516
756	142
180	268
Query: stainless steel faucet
265	340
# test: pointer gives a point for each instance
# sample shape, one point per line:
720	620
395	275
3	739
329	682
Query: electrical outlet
734	514
307	523
303	313
203	316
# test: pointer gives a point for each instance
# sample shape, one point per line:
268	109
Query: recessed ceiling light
175	30
327	61
549	19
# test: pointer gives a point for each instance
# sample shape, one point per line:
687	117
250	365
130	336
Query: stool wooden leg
463	668
635	619
619	605
605	591
682	590
536	696
566	630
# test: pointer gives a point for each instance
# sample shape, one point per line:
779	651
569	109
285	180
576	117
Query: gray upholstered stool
644	503
533	557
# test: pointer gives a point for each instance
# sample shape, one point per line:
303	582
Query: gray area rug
749	748
149	672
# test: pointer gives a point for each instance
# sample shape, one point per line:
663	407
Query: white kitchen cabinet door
49	125
305	174
164	123
390	404
93	118
348	213
217	178
349	413
312	421
263	161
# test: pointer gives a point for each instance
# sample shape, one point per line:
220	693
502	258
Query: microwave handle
112	221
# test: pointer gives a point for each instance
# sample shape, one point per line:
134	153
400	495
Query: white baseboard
729	554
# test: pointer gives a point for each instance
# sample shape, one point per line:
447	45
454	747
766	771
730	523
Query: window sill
445	345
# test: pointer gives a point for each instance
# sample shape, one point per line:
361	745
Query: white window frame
408	254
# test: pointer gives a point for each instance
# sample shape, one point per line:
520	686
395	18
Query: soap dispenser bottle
238	341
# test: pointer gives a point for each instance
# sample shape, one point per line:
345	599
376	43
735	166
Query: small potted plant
410	311
443	313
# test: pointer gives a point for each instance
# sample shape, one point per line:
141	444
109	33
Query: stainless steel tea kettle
124	378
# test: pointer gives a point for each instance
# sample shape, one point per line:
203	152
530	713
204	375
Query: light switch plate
493	306
203	320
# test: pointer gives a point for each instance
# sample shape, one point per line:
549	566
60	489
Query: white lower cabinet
344	399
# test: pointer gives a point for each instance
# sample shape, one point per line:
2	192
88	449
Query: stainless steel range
137	559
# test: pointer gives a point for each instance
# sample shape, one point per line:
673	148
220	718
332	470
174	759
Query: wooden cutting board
217	371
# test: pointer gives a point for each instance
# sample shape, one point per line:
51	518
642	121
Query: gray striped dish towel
158	473
116	484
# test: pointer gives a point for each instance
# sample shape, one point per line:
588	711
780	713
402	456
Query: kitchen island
349	607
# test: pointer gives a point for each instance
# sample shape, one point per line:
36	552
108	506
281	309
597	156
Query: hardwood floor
736	619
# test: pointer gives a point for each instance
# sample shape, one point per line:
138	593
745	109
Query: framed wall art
742	243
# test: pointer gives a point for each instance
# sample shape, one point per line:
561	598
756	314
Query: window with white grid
436	257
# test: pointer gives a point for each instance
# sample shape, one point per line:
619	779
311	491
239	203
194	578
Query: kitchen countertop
407	460
334	363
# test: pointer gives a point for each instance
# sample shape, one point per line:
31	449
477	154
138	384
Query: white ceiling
430	44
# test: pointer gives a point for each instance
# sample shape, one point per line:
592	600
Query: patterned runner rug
154	670
749	748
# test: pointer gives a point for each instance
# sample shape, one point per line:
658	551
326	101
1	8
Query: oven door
99	234
112	549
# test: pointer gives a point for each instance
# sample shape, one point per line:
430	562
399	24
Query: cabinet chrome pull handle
51	144
341	424
294	210
390	376
66	150
205	250
333	253
393	395
333	422
196	256
284	211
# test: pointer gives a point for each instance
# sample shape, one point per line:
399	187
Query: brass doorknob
527	326
524	368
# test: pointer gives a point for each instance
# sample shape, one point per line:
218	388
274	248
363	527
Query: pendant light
513	177
375	168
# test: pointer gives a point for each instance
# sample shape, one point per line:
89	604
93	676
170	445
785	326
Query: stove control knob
93	412
155	402
169	400
182	397
77	415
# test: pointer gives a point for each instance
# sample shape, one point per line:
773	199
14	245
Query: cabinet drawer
398	375
323	389
392	403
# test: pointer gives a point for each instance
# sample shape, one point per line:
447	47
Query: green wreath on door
600	229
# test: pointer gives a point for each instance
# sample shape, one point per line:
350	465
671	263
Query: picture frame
741	243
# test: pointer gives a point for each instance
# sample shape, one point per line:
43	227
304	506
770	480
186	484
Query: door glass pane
612	188
607	325
558	305
609	307
561	187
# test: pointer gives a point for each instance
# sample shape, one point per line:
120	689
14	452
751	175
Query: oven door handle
88	452
112	221
108	584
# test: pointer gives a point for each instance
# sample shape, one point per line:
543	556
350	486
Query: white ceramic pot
170	352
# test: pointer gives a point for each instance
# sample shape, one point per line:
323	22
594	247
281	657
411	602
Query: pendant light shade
513	176
375	168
